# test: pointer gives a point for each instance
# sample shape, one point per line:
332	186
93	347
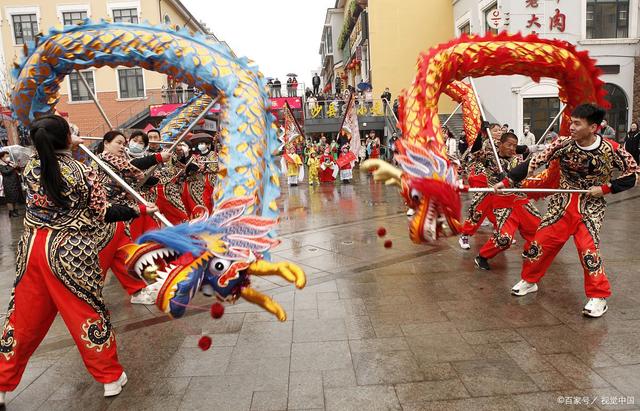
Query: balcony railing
335	108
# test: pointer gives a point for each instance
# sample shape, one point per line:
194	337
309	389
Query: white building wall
502	96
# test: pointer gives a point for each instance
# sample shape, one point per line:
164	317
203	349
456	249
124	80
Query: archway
618	114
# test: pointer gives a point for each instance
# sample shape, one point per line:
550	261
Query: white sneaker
114	388
145	296
523	288
464	242
595	307
513	241
410	212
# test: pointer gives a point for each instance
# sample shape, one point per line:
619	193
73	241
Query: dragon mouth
152	258
423	224
431	221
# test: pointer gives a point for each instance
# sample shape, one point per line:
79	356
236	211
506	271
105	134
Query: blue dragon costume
217	253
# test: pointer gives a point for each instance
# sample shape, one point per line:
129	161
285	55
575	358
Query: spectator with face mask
138	144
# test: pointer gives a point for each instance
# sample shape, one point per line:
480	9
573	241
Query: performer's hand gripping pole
123	184
484	118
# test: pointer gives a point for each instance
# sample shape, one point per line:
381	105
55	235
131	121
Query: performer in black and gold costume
57	262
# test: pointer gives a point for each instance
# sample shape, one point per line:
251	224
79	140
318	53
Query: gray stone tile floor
413	327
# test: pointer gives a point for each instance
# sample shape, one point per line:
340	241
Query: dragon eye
416	196
218	266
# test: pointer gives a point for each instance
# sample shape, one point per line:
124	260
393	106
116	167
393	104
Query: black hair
3	153
108	138
507	136
140	133
590	112
492	125
154	130
51	133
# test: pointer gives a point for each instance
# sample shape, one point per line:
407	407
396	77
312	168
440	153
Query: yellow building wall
105	78
398	31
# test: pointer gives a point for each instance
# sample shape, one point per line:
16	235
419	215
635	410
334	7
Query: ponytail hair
51	133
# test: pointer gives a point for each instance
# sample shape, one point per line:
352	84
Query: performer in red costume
586	161
328	167
165	193
511	212
115	235
198	190
57	262
346	160
480	207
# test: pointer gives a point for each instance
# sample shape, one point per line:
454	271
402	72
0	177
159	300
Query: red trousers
173	214
519	219
208	193
39	296
110	257
548	241
477	214
141	225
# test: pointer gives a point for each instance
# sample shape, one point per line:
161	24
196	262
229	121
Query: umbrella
19	154
364	85
292	75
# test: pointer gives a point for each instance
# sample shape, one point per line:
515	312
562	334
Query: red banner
279	102
163	110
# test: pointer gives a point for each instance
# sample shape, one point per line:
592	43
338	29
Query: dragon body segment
216	254
461	92
248	136
428	186
178	121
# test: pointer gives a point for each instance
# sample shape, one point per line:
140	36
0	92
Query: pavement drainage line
160	319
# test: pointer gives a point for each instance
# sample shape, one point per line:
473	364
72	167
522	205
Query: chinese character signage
552	18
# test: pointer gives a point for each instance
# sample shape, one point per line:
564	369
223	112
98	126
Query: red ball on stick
382	232
388	244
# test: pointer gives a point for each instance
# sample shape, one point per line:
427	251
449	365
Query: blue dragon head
214	254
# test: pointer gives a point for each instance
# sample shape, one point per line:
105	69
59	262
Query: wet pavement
411	327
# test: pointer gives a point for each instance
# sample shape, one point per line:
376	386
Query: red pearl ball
382	232
388	244
204	343
217	310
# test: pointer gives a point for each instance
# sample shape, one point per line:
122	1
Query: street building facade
608	29
123	91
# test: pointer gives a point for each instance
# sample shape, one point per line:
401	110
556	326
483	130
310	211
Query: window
25	27
539	112
71	18
487	17
329	41
167	19
607	19
125	16
78	91
465	28
131	83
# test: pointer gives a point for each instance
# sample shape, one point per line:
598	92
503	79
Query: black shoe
482	263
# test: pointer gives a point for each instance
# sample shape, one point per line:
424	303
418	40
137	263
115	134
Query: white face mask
203	148
136	148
